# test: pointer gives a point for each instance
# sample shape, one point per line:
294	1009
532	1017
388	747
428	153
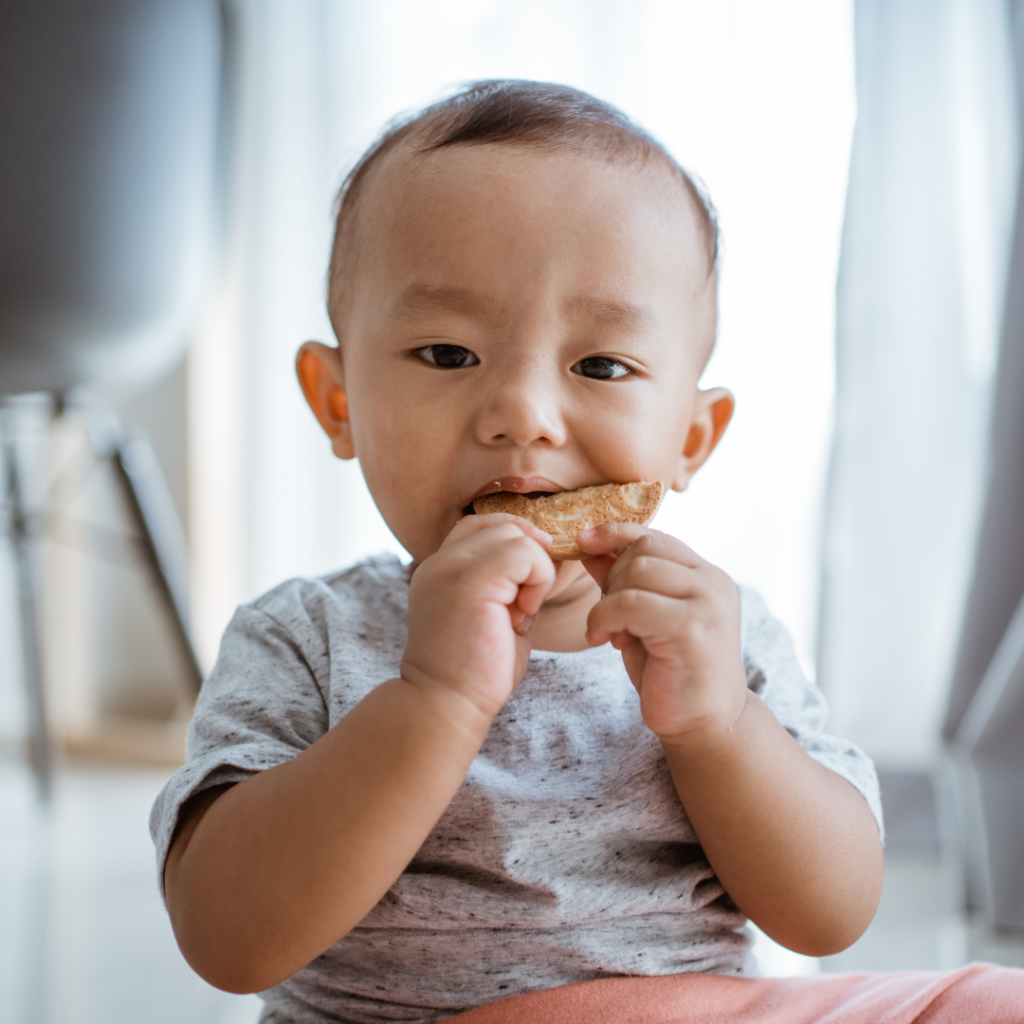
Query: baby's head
523	287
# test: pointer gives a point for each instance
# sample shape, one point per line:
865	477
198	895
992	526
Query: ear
711	415
322	379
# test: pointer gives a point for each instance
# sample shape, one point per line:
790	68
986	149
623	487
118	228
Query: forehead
474	224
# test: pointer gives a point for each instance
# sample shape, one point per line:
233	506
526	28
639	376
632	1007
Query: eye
447	357
601	368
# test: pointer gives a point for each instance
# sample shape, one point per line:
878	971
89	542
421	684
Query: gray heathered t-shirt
565	855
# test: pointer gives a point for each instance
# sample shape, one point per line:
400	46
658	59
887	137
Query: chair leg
20	534
161	540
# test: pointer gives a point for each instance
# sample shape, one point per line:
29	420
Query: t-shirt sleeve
774	674
260	706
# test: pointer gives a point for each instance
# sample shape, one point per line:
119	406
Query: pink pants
976	994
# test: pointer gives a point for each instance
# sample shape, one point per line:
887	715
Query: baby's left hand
676	619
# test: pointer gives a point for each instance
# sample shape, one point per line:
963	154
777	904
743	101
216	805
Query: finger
656	575
607	543
522	624
641	541
605	569
610	539
512	564
527	566
532	595
518	557
621	641
470	525
650	618
618	538
599	567
501	558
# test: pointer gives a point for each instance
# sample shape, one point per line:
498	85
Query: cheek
405	455
638	436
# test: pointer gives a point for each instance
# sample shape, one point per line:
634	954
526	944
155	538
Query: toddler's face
518	319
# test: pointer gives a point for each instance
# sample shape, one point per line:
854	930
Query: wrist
448	705
712	737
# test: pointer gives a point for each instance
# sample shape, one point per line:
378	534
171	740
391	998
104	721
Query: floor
917	926
84	938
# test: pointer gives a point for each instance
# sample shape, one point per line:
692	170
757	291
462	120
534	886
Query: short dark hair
519	112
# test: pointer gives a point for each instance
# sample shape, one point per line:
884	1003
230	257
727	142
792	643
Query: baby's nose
522	407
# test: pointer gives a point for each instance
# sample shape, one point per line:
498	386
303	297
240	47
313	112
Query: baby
415	790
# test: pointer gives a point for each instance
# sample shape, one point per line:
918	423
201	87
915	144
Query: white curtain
756	98
928	221
985	715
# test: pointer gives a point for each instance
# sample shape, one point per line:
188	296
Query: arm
794	845
263	877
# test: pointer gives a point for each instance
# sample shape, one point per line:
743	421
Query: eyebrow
601	312
421	299
418	299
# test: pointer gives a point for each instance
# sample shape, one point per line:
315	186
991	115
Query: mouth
527	486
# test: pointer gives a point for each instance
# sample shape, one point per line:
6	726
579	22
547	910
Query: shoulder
757	622
773	670
305	618
279	655
763	637
775	675
379	583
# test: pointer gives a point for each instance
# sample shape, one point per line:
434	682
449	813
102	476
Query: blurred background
168	169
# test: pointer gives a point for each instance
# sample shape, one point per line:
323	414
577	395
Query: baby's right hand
471	605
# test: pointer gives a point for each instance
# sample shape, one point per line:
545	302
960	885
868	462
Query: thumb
599	567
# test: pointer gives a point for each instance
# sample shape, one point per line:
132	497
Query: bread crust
564	513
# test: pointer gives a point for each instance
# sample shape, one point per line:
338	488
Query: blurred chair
109	115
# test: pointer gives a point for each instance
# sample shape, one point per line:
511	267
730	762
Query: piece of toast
564	513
